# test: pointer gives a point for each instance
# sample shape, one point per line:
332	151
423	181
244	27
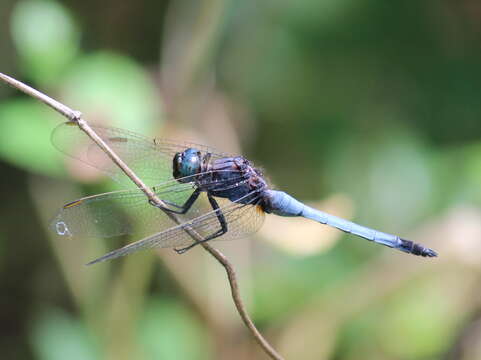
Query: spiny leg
184	208
220	232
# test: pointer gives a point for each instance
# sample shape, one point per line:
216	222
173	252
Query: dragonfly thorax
233	178
187	163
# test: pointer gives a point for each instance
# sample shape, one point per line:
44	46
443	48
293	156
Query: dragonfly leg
183	208
206	159
171	203
220	232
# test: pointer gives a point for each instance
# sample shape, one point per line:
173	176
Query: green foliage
46	38
101	82
25	129
166	327
56	335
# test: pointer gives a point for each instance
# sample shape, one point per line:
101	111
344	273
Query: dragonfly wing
129	212
242	220
122	212
150	159
138	152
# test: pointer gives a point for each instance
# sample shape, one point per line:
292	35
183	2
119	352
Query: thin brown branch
231	274
76	117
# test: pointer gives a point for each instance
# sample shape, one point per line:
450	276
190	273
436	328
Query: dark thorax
233	178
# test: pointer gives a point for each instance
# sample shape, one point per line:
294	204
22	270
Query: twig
76	117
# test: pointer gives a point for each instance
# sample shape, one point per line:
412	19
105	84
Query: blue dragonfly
218	196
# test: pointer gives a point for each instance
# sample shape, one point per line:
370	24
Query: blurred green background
369	110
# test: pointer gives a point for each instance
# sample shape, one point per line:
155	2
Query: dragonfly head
187	163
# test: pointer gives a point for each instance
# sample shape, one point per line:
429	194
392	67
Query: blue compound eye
187	163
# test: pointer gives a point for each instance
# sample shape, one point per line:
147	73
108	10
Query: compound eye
177	165
179	159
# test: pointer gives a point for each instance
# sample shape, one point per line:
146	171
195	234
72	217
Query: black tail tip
416	249
429	253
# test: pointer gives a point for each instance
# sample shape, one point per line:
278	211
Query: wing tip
100	259
111	255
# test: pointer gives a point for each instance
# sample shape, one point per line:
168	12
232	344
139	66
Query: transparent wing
128	211
114	214
150	159
242	220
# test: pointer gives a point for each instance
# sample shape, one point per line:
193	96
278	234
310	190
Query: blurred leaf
407	187
416	322
57	336
423	318
297	280
25	127
316	13
113	89
357	337
470	183
47	40
169	331
397	186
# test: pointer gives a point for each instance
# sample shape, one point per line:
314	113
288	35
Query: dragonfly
216	195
